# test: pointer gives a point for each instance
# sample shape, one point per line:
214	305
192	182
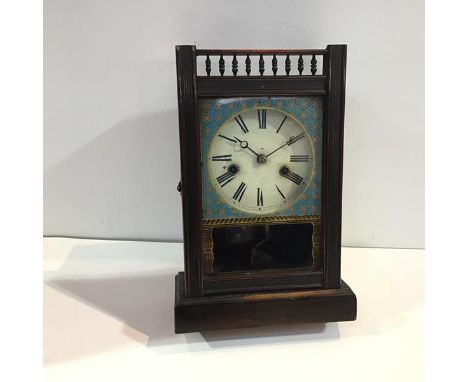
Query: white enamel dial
261	161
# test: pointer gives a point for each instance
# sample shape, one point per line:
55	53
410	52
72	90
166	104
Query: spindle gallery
281	61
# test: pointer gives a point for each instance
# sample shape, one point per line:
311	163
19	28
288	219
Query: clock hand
274	151
289	142
245	145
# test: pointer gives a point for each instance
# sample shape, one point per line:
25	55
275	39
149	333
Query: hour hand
245	145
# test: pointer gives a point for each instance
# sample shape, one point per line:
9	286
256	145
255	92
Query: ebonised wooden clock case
208	300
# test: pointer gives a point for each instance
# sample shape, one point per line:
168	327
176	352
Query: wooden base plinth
245	310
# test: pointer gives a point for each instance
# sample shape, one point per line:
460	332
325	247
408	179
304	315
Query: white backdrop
111	159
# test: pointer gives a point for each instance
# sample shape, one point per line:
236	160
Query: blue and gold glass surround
215	112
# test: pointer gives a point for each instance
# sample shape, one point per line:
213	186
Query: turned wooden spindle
234	65
208	65
313	65
221	65
300	65
288	65
247	65
274	64
261	65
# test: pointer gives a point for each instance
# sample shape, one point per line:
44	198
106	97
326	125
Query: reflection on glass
251	247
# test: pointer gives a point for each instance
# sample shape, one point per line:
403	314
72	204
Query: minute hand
288	143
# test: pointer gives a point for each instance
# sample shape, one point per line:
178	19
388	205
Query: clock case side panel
332	163
190	164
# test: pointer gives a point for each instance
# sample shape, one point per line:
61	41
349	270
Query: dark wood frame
331	85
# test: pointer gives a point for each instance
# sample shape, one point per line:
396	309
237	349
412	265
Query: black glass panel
253	247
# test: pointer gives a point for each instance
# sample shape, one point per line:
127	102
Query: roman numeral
282	195
227	138
225	158
293	177
259	197
262	118
241	124
225	178
240	192
299	158
281	124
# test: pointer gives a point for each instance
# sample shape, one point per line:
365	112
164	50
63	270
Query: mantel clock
261	146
